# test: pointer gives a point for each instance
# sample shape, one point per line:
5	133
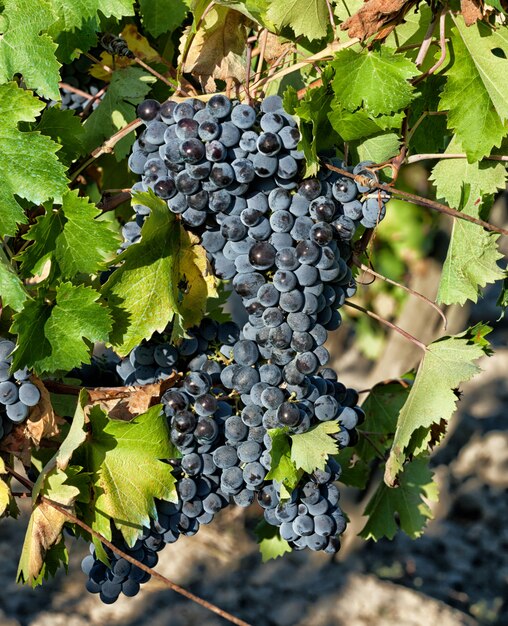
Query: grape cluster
17	393
77	75
233	175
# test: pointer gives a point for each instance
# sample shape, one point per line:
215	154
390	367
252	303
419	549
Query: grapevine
183	231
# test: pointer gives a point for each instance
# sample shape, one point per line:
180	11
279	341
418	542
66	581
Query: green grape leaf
346	8
382	407
72	236
25	40
128	87
451	175
374	79
29	166
73	14
407	503
360	124
159	18
72	43
475	95
502	300
85	243
379	148
163	277
45	527
355	471
253	9
60	336
283	469
128	472
65	128
471	260
310	450
271	544
316	130
447	363
12	290
305	17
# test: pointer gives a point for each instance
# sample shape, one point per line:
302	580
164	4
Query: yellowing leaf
200	282
5	492
163	277
218	48
137	44
310	450
45	526
128	472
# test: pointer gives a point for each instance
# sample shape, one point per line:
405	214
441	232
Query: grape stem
390	325
173	586
107	146
442	45
415	158
427	40
79	92
93	99
111	202
424	202
419	295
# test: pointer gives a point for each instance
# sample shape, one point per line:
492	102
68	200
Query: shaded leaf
65	128
159	18
406	503
271	544
305	17
127	89
12	290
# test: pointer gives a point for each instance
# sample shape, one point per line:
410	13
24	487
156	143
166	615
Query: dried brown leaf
218	48
376	15
42	424
472	11
124	403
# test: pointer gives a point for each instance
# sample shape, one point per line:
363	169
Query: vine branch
419	295
168	583
415	158
107	146
390	325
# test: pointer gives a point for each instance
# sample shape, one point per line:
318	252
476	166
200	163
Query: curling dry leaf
374	15
471	11
124	403
42	423
218	47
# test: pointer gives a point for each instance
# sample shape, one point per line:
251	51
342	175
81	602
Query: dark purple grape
148	110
